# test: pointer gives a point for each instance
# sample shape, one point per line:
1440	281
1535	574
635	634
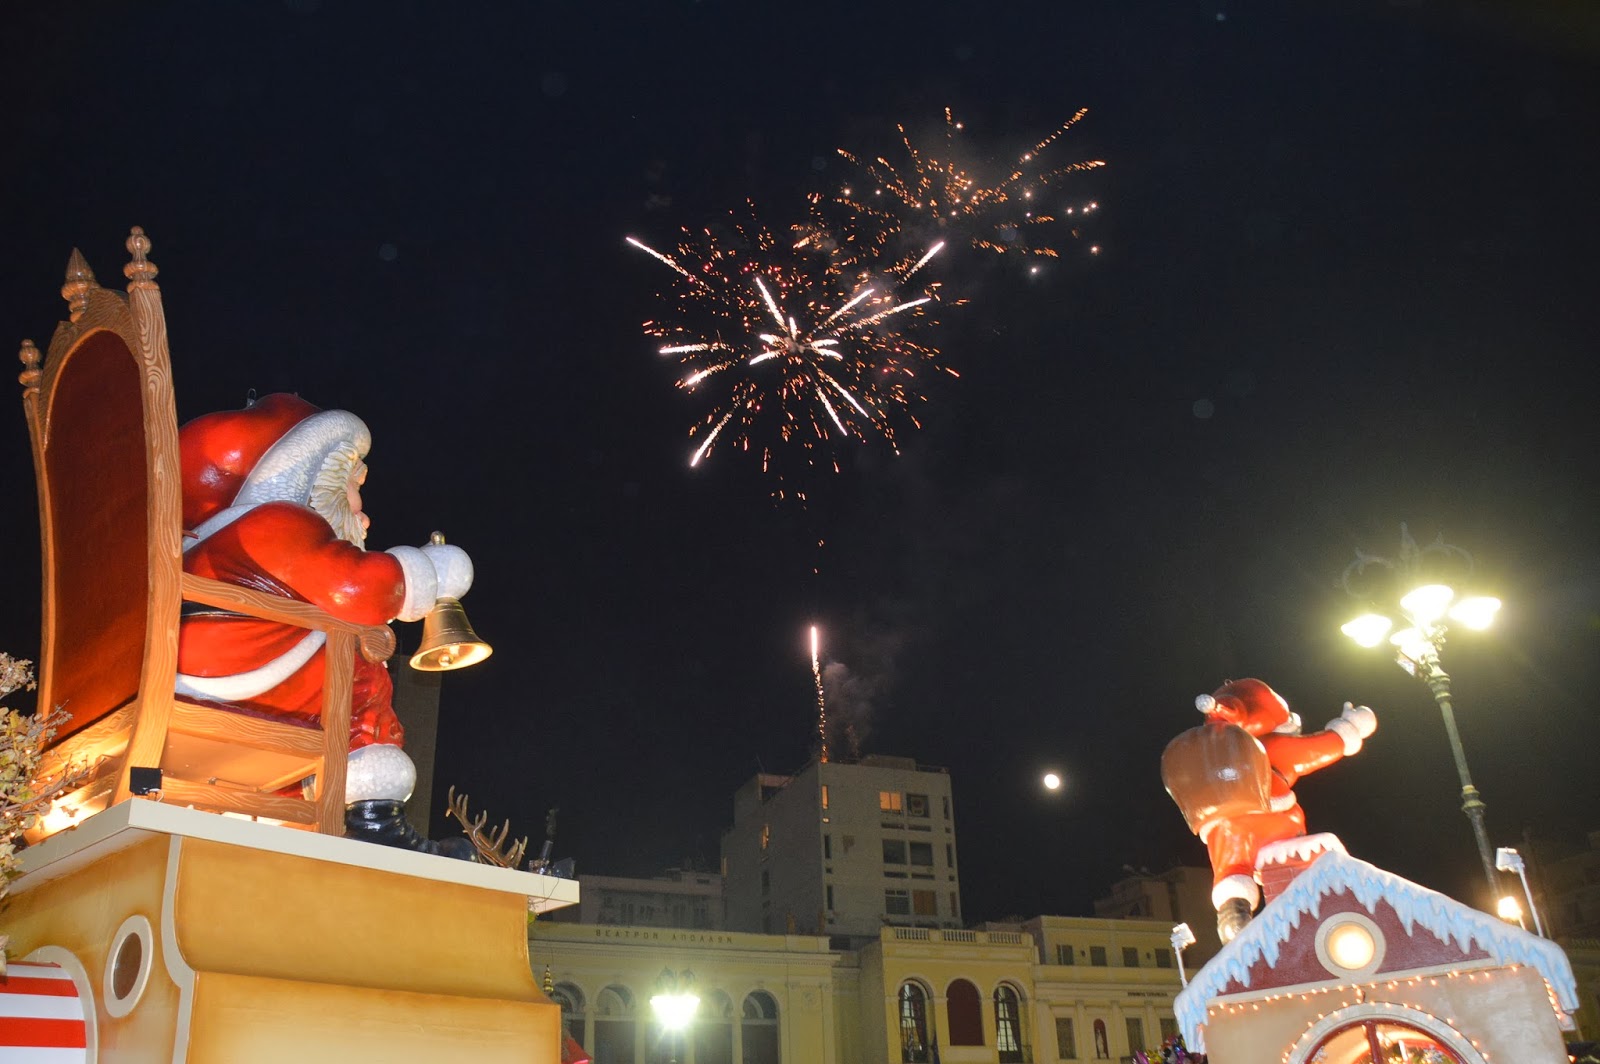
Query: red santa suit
248	480
1235	829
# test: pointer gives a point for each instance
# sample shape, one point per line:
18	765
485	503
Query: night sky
1348	281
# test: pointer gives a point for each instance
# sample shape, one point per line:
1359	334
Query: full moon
1052	782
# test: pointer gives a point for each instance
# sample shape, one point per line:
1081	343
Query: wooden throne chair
104	430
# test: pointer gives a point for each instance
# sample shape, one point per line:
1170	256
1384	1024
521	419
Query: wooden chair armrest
377	640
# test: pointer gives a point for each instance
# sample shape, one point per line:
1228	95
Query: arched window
713	1029
965	1013
1008	1024
914	1024
759	1028
1378	1042
614	1026
570	997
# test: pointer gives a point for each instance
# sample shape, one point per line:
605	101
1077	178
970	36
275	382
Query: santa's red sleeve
1292	756
287	550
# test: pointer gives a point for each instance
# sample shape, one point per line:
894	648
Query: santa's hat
269	451
1249	703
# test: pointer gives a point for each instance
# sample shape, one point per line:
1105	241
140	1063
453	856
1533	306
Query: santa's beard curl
330	494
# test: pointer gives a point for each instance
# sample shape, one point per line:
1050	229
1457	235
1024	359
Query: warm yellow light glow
1412	643
62	815
1510	909
1476	612
1350	946
675	1011
1428	603
1368	629
1052	782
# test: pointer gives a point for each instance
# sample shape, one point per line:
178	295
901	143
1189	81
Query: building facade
842	849
677	898
1104	987
909	995
764	999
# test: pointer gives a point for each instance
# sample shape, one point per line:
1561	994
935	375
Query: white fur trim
1346	731
1289	727
422	582
1282	803
1237	885
243	685
379	771
286	471
214	524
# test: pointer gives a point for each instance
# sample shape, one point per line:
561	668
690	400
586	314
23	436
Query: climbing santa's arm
1295	755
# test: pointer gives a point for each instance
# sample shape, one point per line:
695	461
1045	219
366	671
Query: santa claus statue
272	502
1233	777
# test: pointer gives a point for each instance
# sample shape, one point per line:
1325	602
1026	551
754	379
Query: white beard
330	496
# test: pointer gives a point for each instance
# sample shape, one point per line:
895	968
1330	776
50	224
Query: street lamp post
1416	648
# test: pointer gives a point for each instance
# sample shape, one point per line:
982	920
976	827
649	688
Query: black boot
383	821
1232	915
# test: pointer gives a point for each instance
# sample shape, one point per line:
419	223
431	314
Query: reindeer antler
487	844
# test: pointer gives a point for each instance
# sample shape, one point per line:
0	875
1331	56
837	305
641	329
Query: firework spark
1010	215
807	344
822	705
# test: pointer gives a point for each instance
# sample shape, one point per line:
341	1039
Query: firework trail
822	704
1009	215
798	339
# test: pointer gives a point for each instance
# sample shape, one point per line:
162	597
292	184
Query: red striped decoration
41	1017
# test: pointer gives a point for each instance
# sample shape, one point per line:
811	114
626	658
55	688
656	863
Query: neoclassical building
910	996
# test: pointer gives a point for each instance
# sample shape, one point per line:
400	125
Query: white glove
1353	725
1364	719
432	572
453	569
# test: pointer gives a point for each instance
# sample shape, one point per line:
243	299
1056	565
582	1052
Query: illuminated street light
1511	911
1424	611
1507	859
674	1001
1182	939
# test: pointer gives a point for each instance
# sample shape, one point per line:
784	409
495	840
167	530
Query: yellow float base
208	939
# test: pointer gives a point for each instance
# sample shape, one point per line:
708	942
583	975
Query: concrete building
1180	895
676	898
416	703
841	849
1571	881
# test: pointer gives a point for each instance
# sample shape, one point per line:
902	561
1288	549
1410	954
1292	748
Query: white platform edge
129	822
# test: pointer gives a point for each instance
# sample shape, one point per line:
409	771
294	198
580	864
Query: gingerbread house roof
1335	881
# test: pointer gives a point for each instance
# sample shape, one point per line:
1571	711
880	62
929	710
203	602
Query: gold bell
448	641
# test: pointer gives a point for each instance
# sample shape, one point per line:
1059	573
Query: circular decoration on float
1350	945
128	964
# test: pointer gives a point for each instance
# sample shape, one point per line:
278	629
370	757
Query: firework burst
926	192
800	341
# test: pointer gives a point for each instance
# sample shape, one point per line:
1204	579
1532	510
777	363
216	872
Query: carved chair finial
141	272
79	280
29	377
